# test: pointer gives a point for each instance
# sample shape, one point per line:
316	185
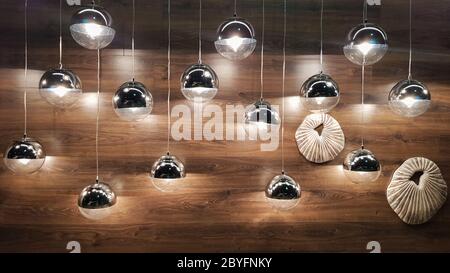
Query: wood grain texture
222	207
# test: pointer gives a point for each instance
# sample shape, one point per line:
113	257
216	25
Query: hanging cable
132	42
60	34
235	9
321	36
262	50
200	33
282	89
362	104
98	113
410	40
25	71
365	12
168	77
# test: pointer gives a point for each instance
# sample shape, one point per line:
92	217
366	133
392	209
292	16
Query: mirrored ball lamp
261	118
409	98
235	39
167	172
91	27
132	101
199	83
60	87
320	93
366	44
283	192
96	201
361	165
24	156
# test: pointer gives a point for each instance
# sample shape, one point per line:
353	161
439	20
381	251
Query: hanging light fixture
320	93
261	117
97	200
235	38
361	165
168	171
409	98
25	156
199	82
59	86
366	43
91	27
132	101
283	192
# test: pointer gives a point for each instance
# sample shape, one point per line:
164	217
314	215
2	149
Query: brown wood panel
222	205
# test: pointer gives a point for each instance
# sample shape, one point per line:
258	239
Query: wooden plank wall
222	208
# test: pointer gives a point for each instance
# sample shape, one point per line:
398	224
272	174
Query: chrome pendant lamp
96	201
26	155
320	93
283	192
199	82
361	165
91	27
409	97
168	171
60	87
235	38
260	117
366	43
132	101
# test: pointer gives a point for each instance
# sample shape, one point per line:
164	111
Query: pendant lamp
91	27
361	165
96	201
409	97
260	117
60	87
235	38
283	192
366	43
26	155
320	93
168	171
199	82
132	101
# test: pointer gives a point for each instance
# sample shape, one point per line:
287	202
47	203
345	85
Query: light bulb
364	48
235	42
93	30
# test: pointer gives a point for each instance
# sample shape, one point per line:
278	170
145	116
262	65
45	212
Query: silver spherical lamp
409	98
260	117
96	201
361	165
366	44
235	39
91	27
167	173
199	83
60	87
320	93
283	192
24	156
132	101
